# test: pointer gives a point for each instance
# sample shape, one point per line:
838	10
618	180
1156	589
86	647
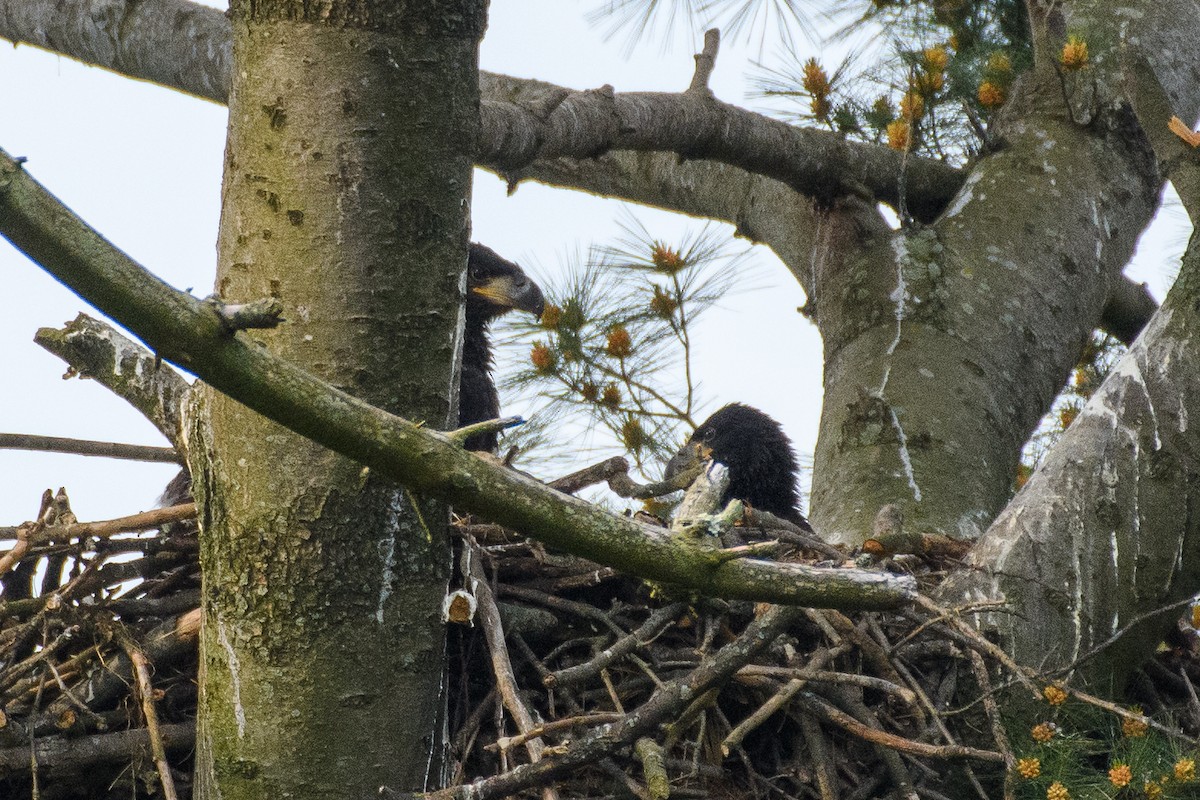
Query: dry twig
145	691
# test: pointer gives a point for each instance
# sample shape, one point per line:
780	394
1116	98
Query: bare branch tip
712	41
706	61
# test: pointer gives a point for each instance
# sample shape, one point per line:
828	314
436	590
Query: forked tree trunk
945	345
346	176
1098	551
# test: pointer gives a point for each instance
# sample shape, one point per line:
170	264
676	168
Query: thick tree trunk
1105	533
1095	557
347	169
944	346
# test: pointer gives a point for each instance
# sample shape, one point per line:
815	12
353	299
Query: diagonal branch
191	333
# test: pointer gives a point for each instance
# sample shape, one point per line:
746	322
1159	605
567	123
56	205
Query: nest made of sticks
567	679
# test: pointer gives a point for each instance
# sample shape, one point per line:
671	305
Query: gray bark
1106	532
527	120
322	653
945	346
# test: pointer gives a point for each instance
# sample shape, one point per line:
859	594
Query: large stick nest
566	678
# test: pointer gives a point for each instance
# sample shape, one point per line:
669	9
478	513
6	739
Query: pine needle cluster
1074	750
950	67
613	353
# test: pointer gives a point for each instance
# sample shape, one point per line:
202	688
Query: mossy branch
190	333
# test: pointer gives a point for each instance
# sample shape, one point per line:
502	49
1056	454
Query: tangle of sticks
567	678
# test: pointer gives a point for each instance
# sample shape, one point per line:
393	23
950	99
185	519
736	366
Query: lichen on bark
347	171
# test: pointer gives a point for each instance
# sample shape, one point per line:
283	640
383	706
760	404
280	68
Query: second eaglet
763	471
495	286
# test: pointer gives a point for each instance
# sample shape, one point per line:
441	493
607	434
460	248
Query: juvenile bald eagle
495	286
762	466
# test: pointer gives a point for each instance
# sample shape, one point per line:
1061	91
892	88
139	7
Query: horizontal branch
545	121
187	46
615	472
763	210
66	753
190	333
145	521
174	43
87	447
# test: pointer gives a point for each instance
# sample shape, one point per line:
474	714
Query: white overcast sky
142	164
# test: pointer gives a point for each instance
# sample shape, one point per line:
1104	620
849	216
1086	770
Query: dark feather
763	471
495	286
